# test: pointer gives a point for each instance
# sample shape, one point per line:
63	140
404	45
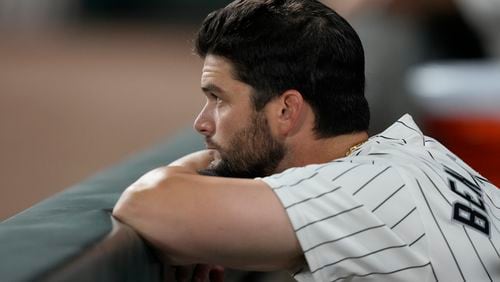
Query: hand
188	164
197	160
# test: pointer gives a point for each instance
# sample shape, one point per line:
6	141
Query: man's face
241	136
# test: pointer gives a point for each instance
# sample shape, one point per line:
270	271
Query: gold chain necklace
354	148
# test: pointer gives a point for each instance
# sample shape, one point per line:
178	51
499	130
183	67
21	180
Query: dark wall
149	10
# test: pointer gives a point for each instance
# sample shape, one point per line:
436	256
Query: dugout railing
72	235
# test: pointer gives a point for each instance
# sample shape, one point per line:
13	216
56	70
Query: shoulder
308	192
345	172
345	209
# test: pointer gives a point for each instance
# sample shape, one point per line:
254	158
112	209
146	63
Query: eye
214	97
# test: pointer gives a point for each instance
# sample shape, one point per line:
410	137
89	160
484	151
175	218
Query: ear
289	111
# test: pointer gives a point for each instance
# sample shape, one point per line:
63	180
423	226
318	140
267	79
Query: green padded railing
72	236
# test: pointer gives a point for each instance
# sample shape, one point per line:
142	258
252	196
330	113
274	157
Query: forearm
139	207
198	219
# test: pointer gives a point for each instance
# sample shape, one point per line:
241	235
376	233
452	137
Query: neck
315	151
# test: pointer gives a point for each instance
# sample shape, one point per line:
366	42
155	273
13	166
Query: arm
190	218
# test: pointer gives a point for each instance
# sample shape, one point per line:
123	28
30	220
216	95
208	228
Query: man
284	81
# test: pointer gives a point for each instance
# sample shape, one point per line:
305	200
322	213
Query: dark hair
277	45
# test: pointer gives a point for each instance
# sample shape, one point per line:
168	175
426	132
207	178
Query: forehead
217	65
218	72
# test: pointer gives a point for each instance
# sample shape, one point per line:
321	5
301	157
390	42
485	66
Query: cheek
228	122
223	124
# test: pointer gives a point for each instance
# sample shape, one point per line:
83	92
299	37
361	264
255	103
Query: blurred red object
460	106
476	140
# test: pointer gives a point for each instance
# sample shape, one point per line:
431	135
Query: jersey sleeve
346	217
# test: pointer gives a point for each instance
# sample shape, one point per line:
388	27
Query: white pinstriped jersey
400	208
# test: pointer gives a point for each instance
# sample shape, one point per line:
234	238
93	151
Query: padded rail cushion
68	236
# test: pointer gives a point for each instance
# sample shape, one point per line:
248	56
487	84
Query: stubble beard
252	152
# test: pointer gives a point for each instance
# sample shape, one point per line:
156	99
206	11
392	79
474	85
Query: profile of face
241	136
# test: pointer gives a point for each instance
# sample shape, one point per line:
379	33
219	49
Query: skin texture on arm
191	218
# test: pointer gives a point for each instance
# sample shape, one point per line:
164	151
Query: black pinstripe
418	132
386	137
344	237
440	230
416	240
399	221
433	169
451	157
390	196
493	203
357	257
312	198
371	179
437	189
322	166
394	139
328	217
431	155
386	273
483	179
433	272
477	254
296	183
344	172
378	154
494	248
494	217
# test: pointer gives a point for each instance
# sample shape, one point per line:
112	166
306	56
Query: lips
210	145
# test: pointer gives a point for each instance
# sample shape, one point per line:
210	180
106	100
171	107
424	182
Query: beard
251	152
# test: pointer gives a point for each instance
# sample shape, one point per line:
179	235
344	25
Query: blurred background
85	84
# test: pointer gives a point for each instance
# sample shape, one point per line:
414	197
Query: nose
204	123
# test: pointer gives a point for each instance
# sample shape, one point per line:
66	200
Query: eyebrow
212	88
